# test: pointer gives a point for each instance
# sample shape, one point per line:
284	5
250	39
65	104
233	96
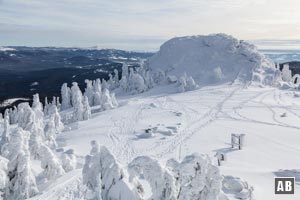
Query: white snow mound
215	58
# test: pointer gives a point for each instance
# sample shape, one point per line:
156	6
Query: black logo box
284	185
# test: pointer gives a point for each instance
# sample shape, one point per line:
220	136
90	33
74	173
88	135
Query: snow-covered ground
197	121
235	91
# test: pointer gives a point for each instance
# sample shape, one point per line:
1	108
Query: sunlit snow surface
200	121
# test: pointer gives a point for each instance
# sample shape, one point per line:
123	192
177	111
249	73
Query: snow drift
215	58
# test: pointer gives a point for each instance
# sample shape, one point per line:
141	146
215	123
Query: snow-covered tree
125	71
50	163
22	184
218	74
95	148
104	84
3	177
124	83
182	84
186	83
58	104
107	102
13	116
28	120
91	178
159	77
46	107
65	97
77	102
36	104
197	178
105	178
136	83
5	133
116	78
69	160
53	112
161	180
89	92
111	82
50	133
97	92
37	107
86	109
286	73
190	84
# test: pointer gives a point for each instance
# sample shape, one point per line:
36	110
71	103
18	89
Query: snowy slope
201	56
203	120
200	121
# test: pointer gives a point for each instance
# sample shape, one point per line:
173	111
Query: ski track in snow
200	109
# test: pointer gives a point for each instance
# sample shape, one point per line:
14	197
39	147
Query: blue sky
143	24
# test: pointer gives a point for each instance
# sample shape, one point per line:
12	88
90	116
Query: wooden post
232	140
241	141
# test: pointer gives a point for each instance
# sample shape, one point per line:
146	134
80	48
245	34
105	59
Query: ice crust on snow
212	59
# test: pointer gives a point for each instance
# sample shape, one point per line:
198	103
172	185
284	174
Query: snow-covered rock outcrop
215	58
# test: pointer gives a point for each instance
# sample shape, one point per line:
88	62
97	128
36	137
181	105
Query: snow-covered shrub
196	177
69	160
186	84
65	97
50	163
161	180
159	76
172	79
237	188
22	184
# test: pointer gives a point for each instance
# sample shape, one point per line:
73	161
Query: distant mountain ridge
49	67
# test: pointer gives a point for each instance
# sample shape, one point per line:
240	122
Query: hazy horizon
144	25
